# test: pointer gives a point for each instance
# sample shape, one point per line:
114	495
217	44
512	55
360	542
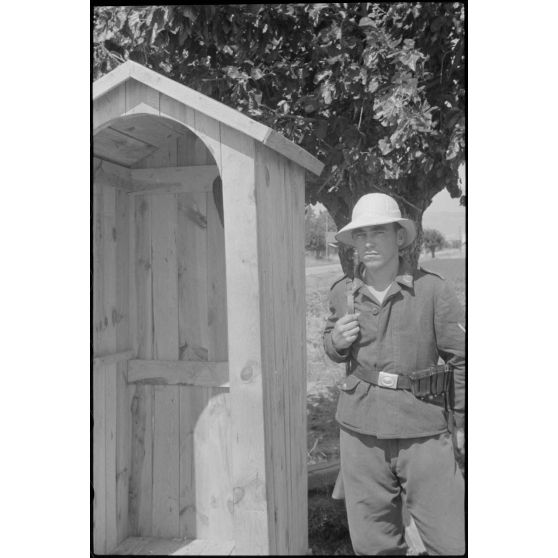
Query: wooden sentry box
199	382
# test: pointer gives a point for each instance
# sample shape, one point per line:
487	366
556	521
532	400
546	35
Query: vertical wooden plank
109	106
165	275
294	184
143	270
109	346
284	332
132	296
123	451
110	455
123	418
209	131
212	464
267	180
122	310
141	478
192	319
216	284
187	155
173	109
251	529
187	472
98	232
137	93
99	462
206	491
192	258
166	480
165	462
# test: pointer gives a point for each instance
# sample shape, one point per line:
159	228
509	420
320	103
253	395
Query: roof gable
206	105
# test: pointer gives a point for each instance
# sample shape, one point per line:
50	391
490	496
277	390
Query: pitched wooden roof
227	115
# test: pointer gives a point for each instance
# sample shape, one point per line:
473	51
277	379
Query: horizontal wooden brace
179	372
115	175
197	178
106	360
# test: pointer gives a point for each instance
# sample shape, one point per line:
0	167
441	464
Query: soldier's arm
450	337
337	309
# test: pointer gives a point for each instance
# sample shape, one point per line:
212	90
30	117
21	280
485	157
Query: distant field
323	374
451	269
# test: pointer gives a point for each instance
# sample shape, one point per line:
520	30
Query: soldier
397	407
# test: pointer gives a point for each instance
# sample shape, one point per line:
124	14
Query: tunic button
375	311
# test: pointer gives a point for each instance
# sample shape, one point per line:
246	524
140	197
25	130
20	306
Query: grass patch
328	530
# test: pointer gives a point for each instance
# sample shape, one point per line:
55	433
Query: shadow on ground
328	531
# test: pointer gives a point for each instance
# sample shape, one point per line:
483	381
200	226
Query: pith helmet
376	209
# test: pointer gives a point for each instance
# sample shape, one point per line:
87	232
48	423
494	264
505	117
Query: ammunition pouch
434	381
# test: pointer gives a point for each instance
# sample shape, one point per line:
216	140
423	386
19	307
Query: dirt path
320	269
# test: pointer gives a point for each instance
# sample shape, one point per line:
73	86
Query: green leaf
384	146
373	85
366	22
256	73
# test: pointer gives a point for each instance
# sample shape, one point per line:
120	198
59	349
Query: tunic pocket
350	384
350	409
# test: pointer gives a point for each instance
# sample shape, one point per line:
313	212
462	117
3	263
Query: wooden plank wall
280	194
181	470
111	448
207	463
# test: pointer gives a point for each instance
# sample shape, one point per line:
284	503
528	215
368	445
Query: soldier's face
378	245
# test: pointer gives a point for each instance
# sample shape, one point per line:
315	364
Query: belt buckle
387	380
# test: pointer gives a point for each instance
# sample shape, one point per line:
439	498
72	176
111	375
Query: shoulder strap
350	310
350	295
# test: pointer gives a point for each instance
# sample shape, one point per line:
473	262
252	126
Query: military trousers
379	475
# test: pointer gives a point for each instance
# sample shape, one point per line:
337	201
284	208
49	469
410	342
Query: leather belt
400	381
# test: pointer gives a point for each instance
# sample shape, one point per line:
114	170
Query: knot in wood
238	494
246	373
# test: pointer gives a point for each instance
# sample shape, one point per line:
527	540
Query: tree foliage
433	240
375	90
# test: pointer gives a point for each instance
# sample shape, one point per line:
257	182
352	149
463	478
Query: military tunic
419	321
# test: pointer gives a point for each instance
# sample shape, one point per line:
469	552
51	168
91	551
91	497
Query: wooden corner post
251	526
263	195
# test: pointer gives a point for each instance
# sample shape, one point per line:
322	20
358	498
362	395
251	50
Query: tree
375	90
433	240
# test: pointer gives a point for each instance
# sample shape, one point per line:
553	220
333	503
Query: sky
443	202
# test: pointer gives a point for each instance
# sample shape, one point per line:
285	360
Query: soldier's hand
459	447
460	440
345	331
